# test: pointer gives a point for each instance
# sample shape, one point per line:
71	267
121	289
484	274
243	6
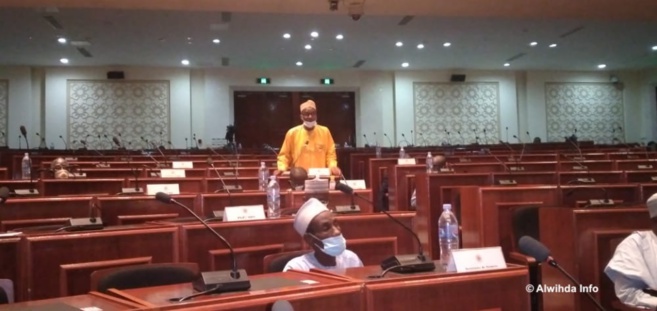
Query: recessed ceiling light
533	43
216	41
654	48
447	44
399	43
553	45
420	46
308	47
287	36
404	65
602	66
184	62
62	40
339	37
299	64
507	64
64	60
314	34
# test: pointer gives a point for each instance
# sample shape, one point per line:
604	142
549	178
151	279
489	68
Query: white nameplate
152	189
319	172
476	259
645	167
172	173
465	160
517	168
653	178
446	170
586	180
70	159
601	202
246	212
356	184
580	167
406	161
182	164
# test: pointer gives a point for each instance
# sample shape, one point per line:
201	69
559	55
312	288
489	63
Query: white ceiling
484	34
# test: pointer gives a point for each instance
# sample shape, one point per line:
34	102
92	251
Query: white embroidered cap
307	212
652	205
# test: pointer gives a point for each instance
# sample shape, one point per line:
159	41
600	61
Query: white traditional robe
633	268
305	262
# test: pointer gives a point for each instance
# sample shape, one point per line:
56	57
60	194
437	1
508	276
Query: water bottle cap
429	154
447	207
262	163
26	154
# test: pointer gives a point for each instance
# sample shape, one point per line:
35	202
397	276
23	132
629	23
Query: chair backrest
146	275
276	262
3	296
525	222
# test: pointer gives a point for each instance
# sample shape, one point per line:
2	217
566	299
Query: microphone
214	281
507	134
195	142
523	147
403	140
117	142
367	143
504	182
533	248
476	137
4	194
449	139
461	136
159	149
65	142
93	222
24	133
376	140
389	141
42	141
593	202
226	188
398	263
171	146
508	147
412	139
186	143
485	137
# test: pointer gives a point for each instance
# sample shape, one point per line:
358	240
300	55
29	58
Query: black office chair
276	262
3	296
524	220
146	275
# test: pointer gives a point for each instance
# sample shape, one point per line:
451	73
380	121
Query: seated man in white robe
633	268
320	229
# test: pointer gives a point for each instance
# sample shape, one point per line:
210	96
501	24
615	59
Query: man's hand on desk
335	171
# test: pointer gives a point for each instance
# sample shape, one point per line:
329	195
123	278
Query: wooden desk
27	212
59	264
93	299
82	186
502	289
571	236
10	260
587	165
189	185
599	177
304	290
624	193
373	237
641	176
125	210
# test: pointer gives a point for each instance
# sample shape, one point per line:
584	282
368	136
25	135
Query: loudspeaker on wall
457	78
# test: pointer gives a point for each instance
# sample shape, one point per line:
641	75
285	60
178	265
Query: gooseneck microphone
533	248
398	263
389	141
367	143
412	139
461	136
210	162
214	281
65	142
504	182
93	222
24	133
523	147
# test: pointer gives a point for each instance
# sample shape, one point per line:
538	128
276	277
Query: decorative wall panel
456	113
135	112
592	111
4	111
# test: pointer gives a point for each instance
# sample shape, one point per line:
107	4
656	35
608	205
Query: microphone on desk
533	248
24	133
194	140
117	142
389	141
404	140
65	142
461	136
485	137
522	153
367	143
398	263
605	201
159	149
507	134
4	194
42	142
503	182
412	139
449	138
214	281
210	163
93	222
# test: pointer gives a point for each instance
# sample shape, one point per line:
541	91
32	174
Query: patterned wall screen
594	111
442	110
4	111
136	112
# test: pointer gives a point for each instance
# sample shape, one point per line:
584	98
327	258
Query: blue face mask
333	246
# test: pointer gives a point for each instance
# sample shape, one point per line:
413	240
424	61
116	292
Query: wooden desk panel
114	208
189	185
570	235
430	199
297	198
47	254
502	289
327	293
636	164
526	178
247	183
599	177
647	190
477	167
641	176
401	185
82	186
93	299
42	208
486	212
10	262
595	165
218	201
624	193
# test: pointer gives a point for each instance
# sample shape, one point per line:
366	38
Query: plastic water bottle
429	162
263	177
402	153
273	198
448	234
378	151
26	167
